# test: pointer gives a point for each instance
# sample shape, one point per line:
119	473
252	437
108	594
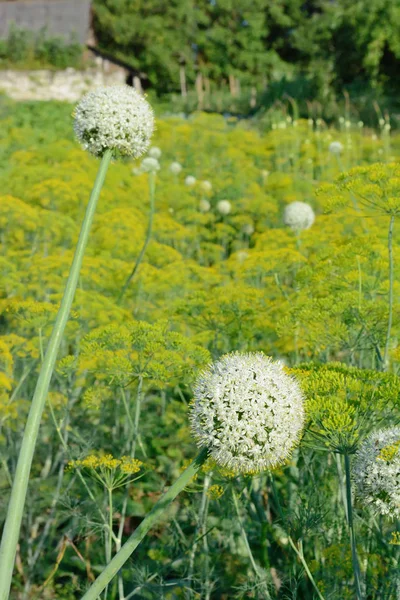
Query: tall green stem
13	521
300	553
256	568
152	186
110	529
153	517
390	319
354	557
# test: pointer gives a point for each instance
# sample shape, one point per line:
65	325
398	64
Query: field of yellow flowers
221	273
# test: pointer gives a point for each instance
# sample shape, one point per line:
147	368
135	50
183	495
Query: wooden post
182	75
200	91
137	84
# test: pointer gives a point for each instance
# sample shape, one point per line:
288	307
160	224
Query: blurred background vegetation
324	57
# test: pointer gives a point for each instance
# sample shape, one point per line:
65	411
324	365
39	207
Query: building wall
60	17
68	85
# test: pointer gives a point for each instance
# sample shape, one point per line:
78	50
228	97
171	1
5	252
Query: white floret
115	118
248	412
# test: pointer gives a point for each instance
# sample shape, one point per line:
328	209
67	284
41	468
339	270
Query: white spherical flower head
248	412
248	229
298	216
175	168
190	181
206	186
335	148
224	207
376	472
155	152
149	165
204	205
114	118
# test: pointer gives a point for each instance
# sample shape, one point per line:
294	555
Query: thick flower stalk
298	216
248	412
108	122
376	472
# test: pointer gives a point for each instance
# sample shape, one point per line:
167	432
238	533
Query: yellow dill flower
107	470
395	539
215	492
389	452
130	465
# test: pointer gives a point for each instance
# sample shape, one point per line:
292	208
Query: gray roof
59	17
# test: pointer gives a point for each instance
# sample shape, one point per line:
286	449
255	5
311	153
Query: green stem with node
152	518
152	187
391	272
16	505
354	557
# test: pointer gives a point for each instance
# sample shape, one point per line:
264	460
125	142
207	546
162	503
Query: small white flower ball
206	186
155	152
248	412
335	148
224	207
298	216
175	168
204	205
149	165
190	181
115	118
242	255
248	229
376	472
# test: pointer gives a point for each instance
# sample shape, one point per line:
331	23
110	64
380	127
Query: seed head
247	411
299	216
114	118
376	472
